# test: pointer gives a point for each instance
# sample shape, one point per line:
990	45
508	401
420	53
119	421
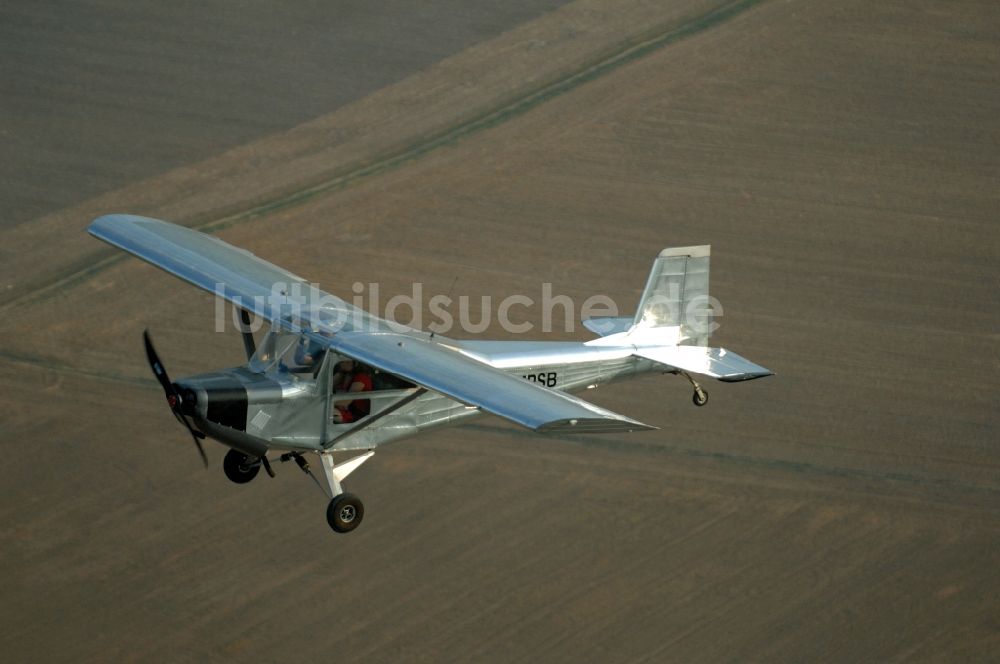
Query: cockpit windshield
288	354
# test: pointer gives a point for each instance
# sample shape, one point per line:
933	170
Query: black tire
344	513
237	469
700	398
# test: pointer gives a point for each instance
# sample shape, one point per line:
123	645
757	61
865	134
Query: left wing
229	272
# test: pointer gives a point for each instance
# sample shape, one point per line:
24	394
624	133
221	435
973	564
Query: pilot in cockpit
351	376
309	353
308	356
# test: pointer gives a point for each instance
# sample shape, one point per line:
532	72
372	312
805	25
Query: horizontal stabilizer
713	362
607	325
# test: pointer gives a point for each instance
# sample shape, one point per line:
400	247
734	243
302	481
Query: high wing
232	273
719	363
290	302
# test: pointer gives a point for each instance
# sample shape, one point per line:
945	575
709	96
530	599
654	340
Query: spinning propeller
173	398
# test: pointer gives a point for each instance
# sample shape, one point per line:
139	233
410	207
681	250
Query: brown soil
842	160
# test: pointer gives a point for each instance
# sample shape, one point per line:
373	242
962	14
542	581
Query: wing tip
752	375
594	425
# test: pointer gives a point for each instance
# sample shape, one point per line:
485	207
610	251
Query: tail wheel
239	467
700	397
344	513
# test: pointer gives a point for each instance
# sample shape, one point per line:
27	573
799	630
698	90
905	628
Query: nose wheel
240	468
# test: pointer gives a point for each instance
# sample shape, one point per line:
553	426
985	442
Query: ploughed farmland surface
841	161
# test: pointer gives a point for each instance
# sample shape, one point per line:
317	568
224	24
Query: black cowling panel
227	402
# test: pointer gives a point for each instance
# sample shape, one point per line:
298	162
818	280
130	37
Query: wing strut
377	416
248	342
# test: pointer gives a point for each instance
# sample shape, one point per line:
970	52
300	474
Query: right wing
438	368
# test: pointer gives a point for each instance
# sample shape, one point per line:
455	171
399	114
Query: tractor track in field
531	99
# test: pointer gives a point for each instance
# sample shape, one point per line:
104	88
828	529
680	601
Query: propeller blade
158	370
195	435
173	399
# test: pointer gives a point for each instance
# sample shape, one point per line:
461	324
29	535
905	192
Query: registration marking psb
546	378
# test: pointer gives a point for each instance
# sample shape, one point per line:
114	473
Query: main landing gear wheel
345	512
700	397
239	467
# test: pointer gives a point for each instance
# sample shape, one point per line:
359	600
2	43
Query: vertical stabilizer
674	306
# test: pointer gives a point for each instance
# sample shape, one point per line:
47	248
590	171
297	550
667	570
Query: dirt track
843	163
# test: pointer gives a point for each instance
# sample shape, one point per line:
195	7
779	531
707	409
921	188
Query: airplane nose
189	399
218	397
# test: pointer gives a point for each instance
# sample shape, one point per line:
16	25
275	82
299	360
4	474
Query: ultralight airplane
287	398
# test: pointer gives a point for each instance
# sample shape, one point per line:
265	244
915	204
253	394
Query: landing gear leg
332	481
700	396
345	510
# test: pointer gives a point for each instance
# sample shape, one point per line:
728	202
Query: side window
382	380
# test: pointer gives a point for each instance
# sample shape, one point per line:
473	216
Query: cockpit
288	356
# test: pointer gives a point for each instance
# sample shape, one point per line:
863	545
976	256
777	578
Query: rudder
675	302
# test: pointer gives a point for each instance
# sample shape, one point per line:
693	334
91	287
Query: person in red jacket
351	376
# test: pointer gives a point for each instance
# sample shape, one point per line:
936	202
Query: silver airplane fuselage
258	411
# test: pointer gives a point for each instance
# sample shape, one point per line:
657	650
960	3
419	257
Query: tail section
674	308
674	321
